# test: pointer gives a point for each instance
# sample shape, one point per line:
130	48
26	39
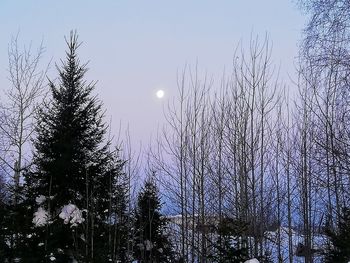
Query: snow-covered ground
254	260
271	242
319	242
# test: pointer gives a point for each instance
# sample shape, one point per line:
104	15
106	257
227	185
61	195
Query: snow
319	242
71	214
254	260
40	199
148	245
40	217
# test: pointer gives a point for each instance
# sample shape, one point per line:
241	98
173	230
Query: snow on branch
71	214
40	199
254	260
41	217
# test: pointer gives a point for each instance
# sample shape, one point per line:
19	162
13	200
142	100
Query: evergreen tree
151	242
339	250
3	245
229	247
120	226
68	186
3	224
12	223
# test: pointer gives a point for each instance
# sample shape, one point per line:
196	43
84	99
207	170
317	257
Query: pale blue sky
136	47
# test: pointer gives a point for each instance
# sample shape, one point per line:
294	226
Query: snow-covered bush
41	217
40	199
71	214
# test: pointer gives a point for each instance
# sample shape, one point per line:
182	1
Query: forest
250	170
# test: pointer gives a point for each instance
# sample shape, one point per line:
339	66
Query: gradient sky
137	47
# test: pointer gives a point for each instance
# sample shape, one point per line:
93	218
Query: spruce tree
4	249
3	245
151	242
120	227
72	167
229	247
339	250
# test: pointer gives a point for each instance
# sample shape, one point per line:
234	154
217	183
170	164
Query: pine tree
67	188
229	247
151	242
120	226
3	223
339	250
3	245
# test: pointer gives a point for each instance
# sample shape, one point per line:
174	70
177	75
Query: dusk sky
137	47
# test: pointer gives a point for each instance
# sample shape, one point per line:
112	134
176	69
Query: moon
160	94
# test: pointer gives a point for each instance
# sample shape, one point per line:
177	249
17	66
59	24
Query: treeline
248	158
247	168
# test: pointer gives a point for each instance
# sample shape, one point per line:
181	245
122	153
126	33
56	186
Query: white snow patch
71	214
254	260
148	245
40	217
40	199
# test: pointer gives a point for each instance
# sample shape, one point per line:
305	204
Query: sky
135	47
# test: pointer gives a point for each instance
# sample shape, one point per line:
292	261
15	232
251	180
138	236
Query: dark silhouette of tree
339	250
3	224
68	185
119	222
151	242
230	247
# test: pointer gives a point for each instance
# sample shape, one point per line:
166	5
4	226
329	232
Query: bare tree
325	57
215	152
254	97
17	110
26	77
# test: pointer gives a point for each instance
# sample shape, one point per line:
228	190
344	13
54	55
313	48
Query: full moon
160	94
